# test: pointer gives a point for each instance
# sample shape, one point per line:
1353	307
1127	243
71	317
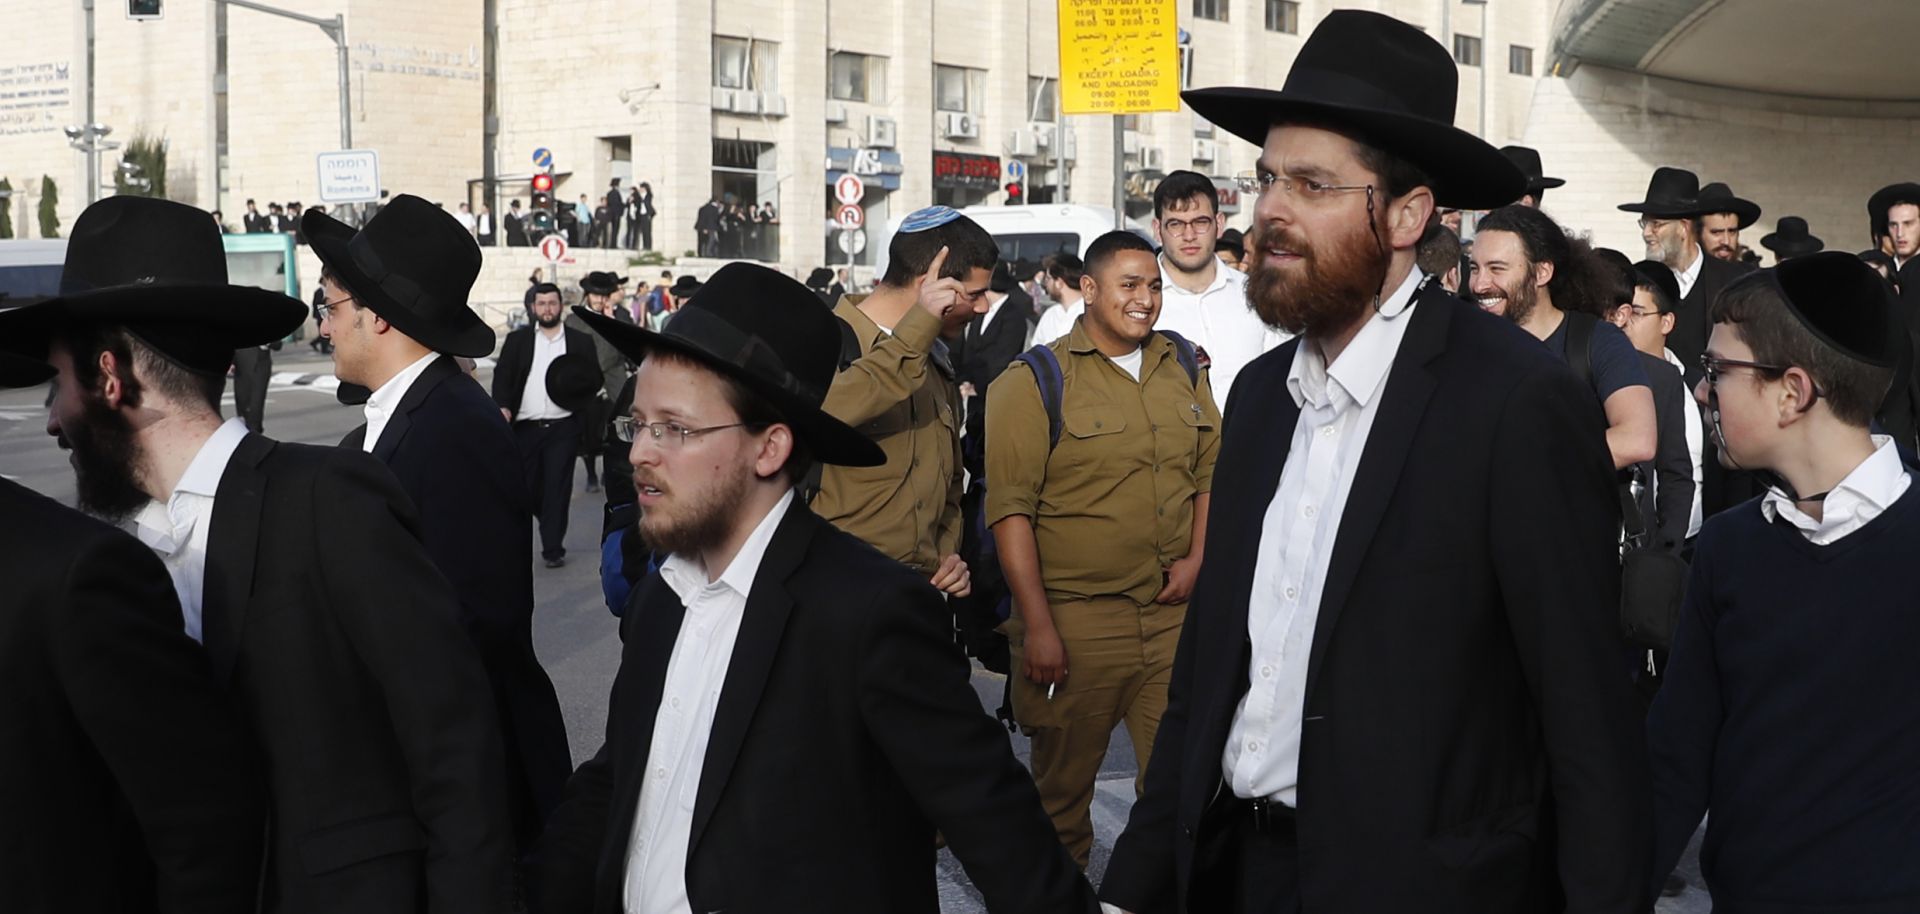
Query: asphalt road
574	634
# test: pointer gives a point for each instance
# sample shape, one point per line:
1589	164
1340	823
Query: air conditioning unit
1130	142
1152	159
881	132
955	125
773	104
1205	150
1023	143
746	102
723	99
836	113
1043	134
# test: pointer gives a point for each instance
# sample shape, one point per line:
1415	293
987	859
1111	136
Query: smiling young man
791	719
1786	717
1100	524
1393	692
1203	299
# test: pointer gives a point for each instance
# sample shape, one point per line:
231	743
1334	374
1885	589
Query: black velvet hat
1389	83
1790	238
1844	303
414	265
573	380
1527	159
1719	198
1883	201
1671	194
17	370
767	331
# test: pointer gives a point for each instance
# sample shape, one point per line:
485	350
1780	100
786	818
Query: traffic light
540	218
143	9
1015	194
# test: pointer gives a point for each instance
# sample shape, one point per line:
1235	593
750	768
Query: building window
1042	94
953	88
746	181
1466	50
745	63
1519	60
856	77
1210	9
1283	16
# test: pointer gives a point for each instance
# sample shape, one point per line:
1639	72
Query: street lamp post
1485	45
336	29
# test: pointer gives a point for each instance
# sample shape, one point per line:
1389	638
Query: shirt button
1253	745
1292	593
1266	672
1308	511
660	772
676	704
1327	432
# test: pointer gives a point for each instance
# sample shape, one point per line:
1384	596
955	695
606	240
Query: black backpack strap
1580	327
1188	357
1052	383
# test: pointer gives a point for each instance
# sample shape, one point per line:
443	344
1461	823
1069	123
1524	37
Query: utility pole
336	29
1119	172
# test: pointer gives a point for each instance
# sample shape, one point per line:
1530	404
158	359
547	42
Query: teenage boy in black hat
547	432
1393	693
777	739
399	335
1787	716
127	778
297	566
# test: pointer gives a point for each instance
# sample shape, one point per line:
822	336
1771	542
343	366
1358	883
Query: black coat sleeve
145	695
401	616
1672	462
919	707
510	371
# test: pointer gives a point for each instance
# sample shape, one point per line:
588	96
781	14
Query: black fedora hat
684	287
1391	84
18	370
1719	198
157	268
600	282
1846	304
1671	194
1790	238
573	380
767	331
1883	201
414	265
1527	159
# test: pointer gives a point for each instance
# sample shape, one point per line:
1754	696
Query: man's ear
1542	274
112	390
1407	218
1797	395
774	451
1666	322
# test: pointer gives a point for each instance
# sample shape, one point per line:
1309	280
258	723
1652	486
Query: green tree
6	208
143	167
49	208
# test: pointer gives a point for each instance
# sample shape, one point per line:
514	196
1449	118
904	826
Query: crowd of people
1530	557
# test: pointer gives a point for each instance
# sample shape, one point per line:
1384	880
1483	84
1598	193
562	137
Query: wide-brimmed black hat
18	370
414	265
1527	159
601	282
157	268
1883	201
1844	303
767	331
1671	194
1389	83
573	380
684	287
820	278
1790	238
1719	198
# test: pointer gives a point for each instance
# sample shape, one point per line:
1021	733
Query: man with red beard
1399	687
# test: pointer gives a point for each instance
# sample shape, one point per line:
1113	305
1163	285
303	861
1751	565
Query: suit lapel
651	626
231	542
1403	403
761	628
397	424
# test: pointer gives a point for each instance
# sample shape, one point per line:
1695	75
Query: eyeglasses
669	435
1300	189
1655	224
1200	226
1714	368
326	307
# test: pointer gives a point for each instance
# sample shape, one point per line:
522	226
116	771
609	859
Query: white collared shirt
1218	320
1865	494
1696	441
534	402
382	404
1058	322
986	320
1337	406
656	878
177	530
1691	275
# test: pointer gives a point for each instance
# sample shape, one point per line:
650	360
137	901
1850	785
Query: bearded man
1395	691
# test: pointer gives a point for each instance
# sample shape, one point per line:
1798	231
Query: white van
1028	233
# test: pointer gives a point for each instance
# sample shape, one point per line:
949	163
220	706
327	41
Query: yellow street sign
1118	56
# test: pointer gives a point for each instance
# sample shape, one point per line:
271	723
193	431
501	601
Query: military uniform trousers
1119	662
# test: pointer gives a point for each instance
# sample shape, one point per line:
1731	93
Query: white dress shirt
1058	322
1691	275
1219	320
177	530
534	402
383	403
656	879
1696	441
1337	404
1865	494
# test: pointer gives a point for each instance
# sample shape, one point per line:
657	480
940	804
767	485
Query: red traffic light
1014	193
542	182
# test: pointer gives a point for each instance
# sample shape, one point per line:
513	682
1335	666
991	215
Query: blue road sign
543	157
1016	170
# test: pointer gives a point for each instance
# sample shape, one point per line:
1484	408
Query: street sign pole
1117	57
1119	172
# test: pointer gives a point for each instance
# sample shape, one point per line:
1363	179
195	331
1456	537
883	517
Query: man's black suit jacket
516	362
1666	504
986	348
342	647
1693	323
458	462
1471	743
846	733
127	783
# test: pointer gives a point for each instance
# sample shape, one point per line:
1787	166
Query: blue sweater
1791	714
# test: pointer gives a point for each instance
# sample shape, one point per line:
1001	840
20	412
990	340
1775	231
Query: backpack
1052	381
